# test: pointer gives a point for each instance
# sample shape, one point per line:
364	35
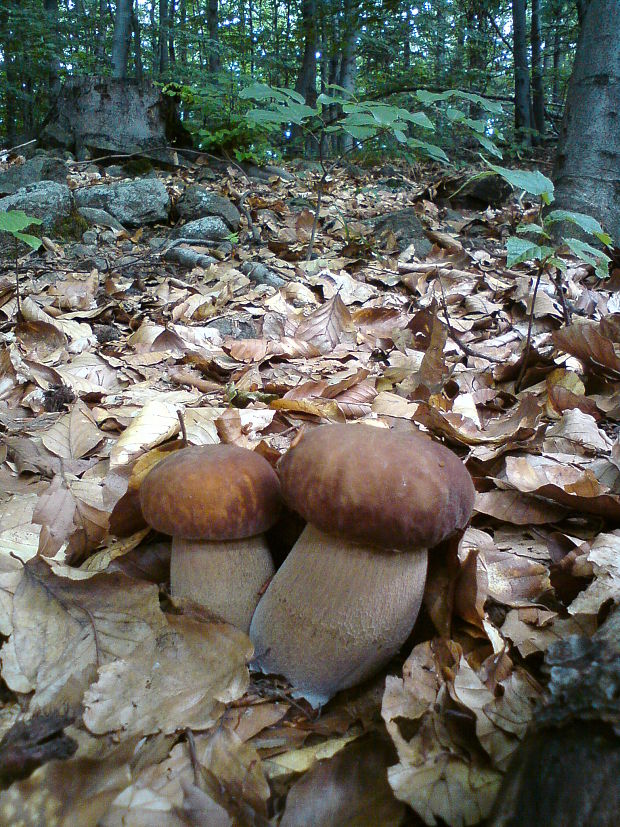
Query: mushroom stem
336	612
224	576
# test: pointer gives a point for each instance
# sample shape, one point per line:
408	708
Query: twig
528	341
466	349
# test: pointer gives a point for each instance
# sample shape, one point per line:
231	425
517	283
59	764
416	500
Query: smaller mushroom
216	501
347	596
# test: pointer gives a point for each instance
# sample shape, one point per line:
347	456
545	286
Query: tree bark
162	40
587	168
306	79
214	43
538	93
53	72
521	72
121	38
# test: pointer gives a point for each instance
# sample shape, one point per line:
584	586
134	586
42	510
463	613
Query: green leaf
359	132
531	181
417	118
13	221
488	144
531	228
431	150
30	240
590	255
522	249
400	136
586	222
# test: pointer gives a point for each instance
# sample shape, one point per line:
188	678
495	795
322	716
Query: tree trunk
183	34
306	79
171	52
538	93
587	167
346	77
521	72
101	33
137	41
53	71
214	43
162	41
121	38
557	53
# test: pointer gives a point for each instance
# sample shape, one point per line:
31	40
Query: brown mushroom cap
391	489
211	492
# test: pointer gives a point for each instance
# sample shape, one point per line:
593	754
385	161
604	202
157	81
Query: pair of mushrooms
348	594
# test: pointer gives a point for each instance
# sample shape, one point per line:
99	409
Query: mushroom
347	596
216	501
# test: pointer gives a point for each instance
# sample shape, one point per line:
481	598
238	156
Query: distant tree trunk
251	33
171	52
162	40
53	71
521	72
538	93
406	41
121	38
346	77
557	51
183	34
137	42
587	167
214	43
101	32
306	79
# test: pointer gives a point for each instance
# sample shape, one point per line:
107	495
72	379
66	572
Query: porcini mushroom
216	501
347	596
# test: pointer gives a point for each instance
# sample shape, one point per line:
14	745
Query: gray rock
100	217
407	228
209	228
46	200
115	171
260	274
236	326
197	202
39	168
90	237
133	203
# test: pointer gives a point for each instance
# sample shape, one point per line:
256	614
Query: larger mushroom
216	501
347	596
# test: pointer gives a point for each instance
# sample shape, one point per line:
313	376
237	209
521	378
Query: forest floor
139	711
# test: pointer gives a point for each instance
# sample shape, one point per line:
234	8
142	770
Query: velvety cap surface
387	488
211	492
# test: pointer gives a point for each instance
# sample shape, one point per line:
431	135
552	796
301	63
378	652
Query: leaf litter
121	707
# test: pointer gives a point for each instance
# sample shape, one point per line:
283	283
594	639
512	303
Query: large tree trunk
522	75
587	167
346	77
121	38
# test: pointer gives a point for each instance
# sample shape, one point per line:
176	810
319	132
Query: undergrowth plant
540	243
363	120
14	222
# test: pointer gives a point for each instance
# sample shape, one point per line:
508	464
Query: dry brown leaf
517	508
535	630
68	793
180	679
604	555
324	328
64	629
349	790
588	344
439	779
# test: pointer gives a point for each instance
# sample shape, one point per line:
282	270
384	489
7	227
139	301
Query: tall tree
121	38
587	167
214	41
521	71
51	13
538	93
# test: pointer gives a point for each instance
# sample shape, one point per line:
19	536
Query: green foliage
15	221
364	120
539	247
216	126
